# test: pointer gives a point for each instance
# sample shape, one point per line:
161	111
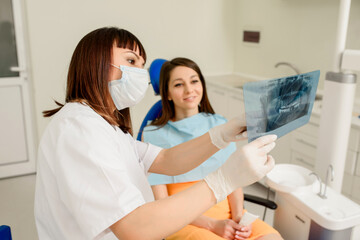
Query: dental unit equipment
320	183
337	106
321	193
296	70
326	179
304	212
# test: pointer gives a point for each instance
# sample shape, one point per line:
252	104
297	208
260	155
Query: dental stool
5	232
155	112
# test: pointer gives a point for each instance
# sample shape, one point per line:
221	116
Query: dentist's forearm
203	222
184	157
160	192
172	214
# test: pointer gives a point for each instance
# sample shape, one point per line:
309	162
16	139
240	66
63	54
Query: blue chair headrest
154	72
5	232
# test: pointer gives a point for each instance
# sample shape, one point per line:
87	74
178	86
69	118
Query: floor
17	206
17	201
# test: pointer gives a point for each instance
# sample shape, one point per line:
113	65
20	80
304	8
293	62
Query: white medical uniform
90	175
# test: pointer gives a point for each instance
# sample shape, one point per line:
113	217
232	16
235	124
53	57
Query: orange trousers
219	211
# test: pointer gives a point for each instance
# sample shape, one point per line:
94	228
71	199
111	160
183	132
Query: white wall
197	29
301	32
208	31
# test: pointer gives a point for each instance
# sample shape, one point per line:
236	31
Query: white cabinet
218	99
304	144
347	184
351	180
290	221
357	170
235	104
355	189
303	149
350	163
226	102
281	152
348	178
352	167
302	160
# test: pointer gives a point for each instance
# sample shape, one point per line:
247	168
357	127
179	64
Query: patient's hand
225	228
243	233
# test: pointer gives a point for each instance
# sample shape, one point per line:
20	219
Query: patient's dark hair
168	110
88	75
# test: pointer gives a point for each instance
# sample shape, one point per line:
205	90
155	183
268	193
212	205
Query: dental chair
5	232
155	112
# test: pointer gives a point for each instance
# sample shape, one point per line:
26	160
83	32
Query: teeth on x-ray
286	101
290	107
279	106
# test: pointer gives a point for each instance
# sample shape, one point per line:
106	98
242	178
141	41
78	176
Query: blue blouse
174	133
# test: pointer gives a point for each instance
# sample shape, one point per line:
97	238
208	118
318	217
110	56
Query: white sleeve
147	153
92	175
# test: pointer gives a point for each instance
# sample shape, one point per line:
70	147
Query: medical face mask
131	88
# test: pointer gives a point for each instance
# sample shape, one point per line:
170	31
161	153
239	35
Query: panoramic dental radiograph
279	106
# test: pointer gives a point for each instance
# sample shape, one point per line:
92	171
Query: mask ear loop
115	66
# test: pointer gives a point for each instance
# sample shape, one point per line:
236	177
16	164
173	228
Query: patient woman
186	114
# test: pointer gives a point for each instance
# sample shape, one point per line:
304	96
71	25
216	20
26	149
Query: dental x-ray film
279	106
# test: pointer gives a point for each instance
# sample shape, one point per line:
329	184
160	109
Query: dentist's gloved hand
244	167
233	130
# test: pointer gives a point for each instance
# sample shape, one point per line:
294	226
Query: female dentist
92	176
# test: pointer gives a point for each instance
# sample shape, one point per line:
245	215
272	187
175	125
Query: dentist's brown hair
89	72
